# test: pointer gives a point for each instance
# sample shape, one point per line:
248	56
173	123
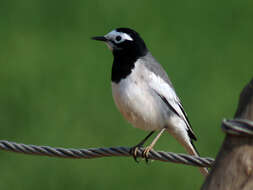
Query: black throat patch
124	62
122	67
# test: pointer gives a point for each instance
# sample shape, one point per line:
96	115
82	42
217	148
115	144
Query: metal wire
234	127
103	152
239	127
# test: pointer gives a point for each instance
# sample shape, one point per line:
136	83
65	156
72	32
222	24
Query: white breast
137	102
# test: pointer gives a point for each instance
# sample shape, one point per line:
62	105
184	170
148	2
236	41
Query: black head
124	42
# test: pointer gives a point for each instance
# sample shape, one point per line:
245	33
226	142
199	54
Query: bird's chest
128	95
135	101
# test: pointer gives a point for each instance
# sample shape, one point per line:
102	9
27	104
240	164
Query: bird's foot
134	151
145	153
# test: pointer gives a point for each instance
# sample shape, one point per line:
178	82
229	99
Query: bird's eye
118	38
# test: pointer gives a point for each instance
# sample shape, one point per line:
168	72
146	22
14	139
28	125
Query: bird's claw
145	153
134	151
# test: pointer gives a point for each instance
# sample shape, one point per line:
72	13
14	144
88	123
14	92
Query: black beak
99	38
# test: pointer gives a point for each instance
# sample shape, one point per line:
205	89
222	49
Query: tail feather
190	148
181	134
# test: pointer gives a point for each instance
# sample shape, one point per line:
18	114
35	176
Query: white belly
138	104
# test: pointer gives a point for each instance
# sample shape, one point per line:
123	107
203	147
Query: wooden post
233	167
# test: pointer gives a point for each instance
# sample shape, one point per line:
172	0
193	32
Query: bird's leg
148	148
135	148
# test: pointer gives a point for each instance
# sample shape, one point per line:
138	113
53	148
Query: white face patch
118	37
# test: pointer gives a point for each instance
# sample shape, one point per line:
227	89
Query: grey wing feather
190	131
167	92
153	65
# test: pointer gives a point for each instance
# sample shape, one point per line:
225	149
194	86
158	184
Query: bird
144	94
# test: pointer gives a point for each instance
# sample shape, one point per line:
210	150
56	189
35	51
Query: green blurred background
55	85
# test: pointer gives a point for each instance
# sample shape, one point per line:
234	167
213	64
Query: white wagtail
143	92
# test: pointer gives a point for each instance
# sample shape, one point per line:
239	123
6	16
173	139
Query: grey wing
152	65
190	131
181	114
161	84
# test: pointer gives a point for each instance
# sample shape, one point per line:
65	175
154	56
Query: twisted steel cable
239	127
234	127
102	152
